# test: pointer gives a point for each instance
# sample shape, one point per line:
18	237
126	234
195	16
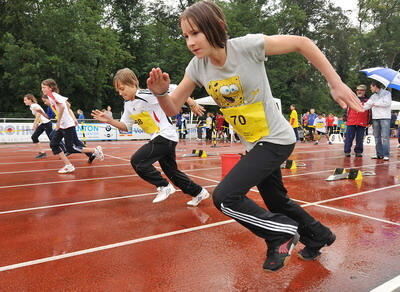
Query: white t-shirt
145	111
320	125
241	88
66	121
36	108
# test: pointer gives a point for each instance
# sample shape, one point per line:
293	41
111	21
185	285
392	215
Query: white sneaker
98	151
204	194
164	193
386	158
67	169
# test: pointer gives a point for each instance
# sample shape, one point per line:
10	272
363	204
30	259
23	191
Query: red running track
97	229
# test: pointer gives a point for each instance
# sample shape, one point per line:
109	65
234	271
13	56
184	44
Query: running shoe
358	155
278	255
91	157
67	169
347	154
204	194
41	155
98	151
386	158
309	253
376	157
163	193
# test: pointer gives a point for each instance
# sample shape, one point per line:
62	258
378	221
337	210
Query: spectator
356	124
380	103
329	124
310	124
80	114
294	120
109	112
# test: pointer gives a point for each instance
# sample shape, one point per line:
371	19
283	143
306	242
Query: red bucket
228	161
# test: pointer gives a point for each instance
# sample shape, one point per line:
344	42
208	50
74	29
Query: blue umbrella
386	76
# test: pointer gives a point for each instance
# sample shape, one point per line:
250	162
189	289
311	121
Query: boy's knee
34	139
219	197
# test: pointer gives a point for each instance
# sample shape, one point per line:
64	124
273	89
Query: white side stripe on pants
266	224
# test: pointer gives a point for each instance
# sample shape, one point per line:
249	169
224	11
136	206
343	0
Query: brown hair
126	77
377	84
30	97
210	20
52	84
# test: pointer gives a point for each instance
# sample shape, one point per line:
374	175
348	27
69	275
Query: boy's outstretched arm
102	117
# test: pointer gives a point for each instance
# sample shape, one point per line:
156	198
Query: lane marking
389	286
352	195
53	169
85	202
89	179
110	246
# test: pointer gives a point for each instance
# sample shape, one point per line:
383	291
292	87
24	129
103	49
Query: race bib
248	121
145	122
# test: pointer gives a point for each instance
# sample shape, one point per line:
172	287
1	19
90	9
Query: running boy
65	127
142	107
233	73
321	129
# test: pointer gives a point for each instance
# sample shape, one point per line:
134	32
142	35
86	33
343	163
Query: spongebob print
227	92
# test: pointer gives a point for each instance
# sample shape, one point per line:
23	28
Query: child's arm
103	117
197	109
158	83
283	44
36	122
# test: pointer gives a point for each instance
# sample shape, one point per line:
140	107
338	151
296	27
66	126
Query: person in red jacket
356	124
329	123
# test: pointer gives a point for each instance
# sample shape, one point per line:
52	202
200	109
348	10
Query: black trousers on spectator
261	167
47	127
162	150
357	132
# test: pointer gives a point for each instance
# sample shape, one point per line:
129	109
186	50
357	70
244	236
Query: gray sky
348	5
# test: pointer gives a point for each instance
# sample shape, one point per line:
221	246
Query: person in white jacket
380	103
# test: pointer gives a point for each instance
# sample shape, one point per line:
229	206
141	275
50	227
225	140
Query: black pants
162	150
72	143
261	167
47	127
357	132
296	133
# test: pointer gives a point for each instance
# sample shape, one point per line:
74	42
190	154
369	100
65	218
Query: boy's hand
345	97
100	116
197	109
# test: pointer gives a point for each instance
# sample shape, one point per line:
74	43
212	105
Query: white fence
16	132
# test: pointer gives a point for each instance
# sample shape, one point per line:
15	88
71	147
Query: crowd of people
353	125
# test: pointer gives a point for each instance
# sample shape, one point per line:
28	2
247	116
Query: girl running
65	128
141	107
41	123
233	73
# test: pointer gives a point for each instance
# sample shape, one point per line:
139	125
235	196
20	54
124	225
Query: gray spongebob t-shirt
241	88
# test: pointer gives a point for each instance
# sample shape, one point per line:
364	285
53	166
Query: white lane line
85	202
53	169
119	244
357	214
110	246
389	286
66	181
89	179
307	204
351	195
